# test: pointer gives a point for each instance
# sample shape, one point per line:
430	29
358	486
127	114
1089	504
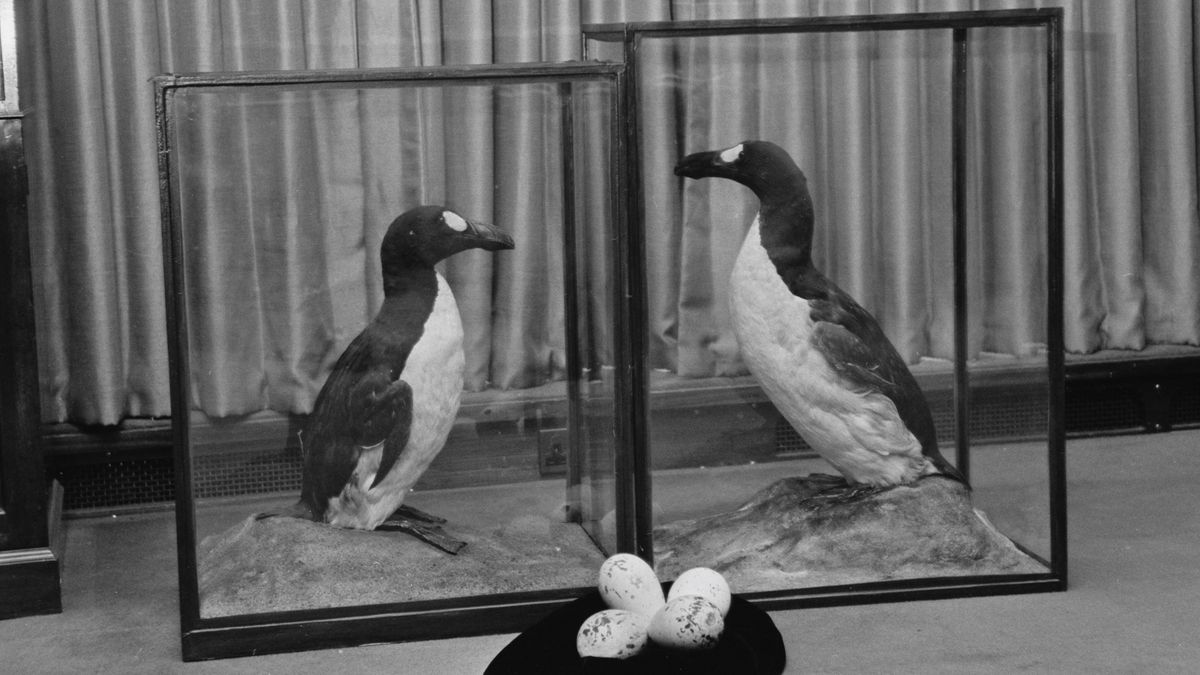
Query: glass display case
932	147
611	293
308	218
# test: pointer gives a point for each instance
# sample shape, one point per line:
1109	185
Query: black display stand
750	645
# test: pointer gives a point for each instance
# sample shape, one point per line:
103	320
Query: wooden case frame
248	634
631	36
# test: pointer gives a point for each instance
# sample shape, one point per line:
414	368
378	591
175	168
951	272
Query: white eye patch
454	221
732	154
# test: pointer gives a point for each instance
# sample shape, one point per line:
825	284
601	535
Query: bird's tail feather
950	471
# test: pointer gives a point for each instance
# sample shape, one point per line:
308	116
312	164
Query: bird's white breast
434	370
861	434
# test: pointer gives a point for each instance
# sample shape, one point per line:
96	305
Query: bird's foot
292	511
844	494
433	535
424	527
826	481
407	512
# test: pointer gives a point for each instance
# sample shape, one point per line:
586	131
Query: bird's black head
786	208
761	166
427	234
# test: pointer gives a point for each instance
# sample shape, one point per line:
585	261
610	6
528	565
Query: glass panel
868	117
1007	272
593	492
284	196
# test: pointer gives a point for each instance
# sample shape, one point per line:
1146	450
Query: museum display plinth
790	535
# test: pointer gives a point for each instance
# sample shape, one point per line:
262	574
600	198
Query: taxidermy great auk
820	357
388	405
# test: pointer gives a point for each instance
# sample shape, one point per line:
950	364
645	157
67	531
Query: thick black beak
489	237
701	165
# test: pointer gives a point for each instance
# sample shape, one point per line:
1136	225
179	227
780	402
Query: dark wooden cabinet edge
30	578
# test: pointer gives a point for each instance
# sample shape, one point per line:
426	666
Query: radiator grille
117	483
259	473
1105	409
1185	406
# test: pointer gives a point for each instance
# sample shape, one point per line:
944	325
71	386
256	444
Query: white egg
706	583
687	622
628	582
611	634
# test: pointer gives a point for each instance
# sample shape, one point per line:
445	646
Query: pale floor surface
1133	604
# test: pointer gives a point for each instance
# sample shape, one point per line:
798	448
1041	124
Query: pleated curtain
865	116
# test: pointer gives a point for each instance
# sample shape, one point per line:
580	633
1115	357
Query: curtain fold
468	38
1104	261
1006	188
864	115
1167	101
528	315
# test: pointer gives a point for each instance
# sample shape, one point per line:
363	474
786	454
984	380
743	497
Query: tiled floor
1133	605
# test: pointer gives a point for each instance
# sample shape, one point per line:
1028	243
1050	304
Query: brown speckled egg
687	622
611	634
705	583
628	582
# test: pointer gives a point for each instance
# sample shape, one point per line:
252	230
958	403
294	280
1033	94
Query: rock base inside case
788	536
280	564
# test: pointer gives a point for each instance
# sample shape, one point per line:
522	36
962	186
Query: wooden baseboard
502	436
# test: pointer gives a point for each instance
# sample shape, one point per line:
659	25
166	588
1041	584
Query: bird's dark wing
857	348
352	410
852	340
851	357
390	419
376	403
860	351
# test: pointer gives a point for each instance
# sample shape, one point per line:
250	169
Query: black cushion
750	645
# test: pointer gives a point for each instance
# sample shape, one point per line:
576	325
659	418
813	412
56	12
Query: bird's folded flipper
396	407
852	358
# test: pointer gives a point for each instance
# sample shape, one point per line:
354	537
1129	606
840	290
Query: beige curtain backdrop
864	115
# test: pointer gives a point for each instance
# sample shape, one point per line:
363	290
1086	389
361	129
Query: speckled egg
628	582
611	634
687	622
706	583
